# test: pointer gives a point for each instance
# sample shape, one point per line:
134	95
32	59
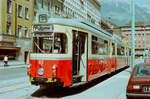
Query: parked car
139	82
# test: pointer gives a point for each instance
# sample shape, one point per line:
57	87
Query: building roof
139	23
97	2
111	26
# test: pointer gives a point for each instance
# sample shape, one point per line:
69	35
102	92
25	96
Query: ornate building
16	18
87	10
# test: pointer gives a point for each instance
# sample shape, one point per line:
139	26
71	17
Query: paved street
112	88
12	73
15	85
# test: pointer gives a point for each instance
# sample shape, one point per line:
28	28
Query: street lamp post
144	40
133	32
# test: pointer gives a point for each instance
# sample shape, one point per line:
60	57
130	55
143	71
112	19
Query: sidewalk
12	64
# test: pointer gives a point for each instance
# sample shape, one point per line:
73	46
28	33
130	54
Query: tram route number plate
146	88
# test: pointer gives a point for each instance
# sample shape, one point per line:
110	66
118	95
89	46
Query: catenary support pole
133	33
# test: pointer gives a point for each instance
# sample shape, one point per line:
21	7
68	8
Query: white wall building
88	10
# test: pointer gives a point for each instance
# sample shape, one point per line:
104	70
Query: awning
139	54
9	48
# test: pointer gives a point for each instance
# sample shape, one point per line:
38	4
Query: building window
35	2
26	13
89	17
35	13
19	11
8	28
9	7
42	18
57	10
48	5
147	36
42	3
19	31
26	32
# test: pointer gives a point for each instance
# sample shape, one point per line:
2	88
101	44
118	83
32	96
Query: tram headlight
41	71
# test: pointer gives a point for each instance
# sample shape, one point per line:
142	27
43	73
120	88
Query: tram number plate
146	88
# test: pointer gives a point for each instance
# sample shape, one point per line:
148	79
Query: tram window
60	43
113	49
129	52
55	43
103	47
120	51
94	45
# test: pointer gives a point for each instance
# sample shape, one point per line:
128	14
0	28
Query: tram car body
68	53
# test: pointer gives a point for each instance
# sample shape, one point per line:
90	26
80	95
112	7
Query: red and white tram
69	52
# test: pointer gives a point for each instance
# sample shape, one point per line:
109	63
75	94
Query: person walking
6	61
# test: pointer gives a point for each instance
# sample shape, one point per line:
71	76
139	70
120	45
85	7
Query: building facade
87	10
16	18
142	37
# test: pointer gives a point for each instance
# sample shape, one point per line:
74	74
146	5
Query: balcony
7	38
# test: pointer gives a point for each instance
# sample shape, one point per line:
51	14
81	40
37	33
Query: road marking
12	81
10	67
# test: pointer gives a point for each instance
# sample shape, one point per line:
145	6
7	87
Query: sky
142	1
136	1
121	12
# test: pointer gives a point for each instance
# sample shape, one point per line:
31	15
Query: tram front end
50	60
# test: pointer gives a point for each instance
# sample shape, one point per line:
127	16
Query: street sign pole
133	32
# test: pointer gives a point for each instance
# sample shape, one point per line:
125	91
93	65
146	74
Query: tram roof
81	24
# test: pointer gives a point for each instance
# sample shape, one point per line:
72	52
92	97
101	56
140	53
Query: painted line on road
108	81
121	76
13	81
10	67
14	87
114	78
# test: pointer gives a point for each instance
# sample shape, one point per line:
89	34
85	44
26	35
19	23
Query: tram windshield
55	43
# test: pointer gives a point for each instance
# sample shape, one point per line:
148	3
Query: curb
13	66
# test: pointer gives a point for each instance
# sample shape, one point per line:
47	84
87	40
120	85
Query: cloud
119	11
146	6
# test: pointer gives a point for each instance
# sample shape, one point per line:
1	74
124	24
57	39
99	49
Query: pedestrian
6	61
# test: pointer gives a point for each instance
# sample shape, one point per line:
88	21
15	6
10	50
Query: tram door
80	56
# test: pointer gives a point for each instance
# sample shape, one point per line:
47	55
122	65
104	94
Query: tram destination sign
42	28
42	35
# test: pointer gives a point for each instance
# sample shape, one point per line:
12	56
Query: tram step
78	83
77	78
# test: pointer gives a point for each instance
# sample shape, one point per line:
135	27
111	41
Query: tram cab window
55	43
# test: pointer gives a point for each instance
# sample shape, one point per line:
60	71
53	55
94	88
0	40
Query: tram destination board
43	28
42	35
